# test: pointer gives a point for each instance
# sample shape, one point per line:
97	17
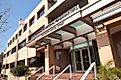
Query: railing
69	66
52	67
88	70
41	68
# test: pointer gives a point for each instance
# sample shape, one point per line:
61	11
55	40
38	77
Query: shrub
20	70
106	72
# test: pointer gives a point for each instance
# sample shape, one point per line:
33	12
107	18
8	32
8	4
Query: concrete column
47	58
26	63
16	53
52	58
26	59
104	47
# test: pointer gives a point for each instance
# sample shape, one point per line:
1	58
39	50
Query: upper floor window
10	42
25	28
14	50
4	55
21	62
13	39
7	66
31	21
40	12
16	36
22	44
20	32
8	53
51	3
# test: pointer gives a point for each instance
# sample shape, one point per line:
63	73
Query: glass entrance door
78	60
82	59
86	58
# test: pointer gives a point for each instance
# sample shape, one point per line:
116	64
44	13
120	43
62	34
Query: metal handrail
41	68
88	70
69	66
52	67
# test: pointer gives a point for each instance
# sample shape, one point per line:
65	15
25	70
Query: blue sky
18	8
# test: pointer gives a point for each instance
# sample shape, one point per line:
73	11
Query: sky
18	8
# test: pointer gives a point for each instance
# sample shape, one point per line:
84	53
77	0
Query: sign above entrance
61	21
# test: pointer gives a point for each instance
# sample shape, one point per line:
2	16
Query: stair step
75	76
47	77
34	77
65	76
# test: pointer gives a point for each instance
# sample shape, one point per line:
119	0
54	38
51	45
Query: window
10	42
22	62
8	53
7	66
51	3
14	50
12	65
16	36
31	21
20	32
40	13
13	39
25	28
4	55
3	66
22	44
32	62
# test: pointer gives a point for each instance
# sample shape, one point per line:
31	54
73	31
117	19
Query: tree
3	20
1	60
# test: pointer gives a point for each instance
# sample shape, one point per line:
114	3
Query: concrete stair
34	77
75	76
66	76
46	77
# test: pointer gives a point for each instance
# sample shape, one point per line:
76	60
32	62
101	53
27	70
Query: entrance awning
76	32
67	27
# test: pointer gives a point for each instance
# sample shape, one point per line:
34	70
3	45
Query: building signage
64	19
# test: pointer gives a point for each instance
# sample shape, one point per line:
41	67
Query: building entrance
84	56
41	59
82	59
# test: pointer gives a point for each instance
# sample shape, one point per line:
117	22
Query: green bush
20	70
106	72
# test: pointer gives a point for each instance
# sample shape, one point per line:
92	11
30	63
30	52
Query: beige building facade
62	32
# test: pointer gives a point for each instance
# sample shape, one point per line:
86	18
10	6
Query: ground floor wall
59	58
62	58
108	37
114	32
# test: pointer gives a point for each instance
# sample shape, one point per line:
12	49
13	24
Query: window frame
22	44
24	27
41	12
32	21
20	32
